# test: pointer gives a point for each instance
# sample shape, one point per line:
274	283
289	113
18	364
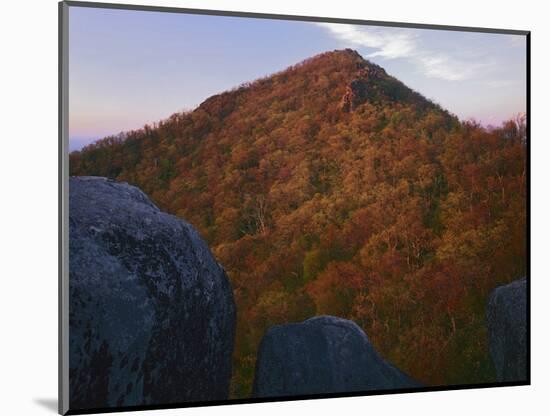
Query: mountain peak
326	88
346	53
341	76
356	80
344	57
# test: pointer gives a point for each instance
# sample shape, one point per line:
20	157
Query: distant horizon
125	72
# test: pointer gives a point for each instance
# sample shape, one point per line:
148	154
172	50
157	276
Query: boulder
151	313
507	330
322	355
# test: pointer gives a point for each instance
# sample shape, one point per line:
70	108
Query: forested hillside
332	188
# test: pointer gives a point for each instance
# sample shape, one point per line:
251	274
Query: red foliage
392	214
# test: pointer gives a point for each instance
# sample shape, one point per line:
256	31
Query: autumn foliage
390	212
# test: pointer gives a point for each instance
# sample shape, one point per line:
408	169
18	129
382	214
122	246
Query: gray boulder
152	315
322	355
507	330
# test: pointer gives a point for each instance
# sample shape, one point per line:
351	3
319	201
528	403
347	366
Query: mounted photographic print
264	207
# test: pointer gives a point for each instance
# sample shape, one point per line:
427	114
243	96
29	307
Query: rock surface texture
321	355
152	315
507	330
356	94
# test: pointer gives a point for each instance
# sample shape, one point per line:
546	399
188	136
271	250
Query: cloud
502	83
394	43
447	68
388	45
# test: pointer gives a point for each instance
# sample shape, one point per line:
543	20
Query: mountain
333	188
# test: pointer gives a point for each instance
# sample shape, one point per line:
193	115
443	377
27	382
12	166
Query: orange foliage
395	214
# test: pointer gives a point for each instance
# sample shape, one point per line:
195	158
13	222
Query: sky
129	68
